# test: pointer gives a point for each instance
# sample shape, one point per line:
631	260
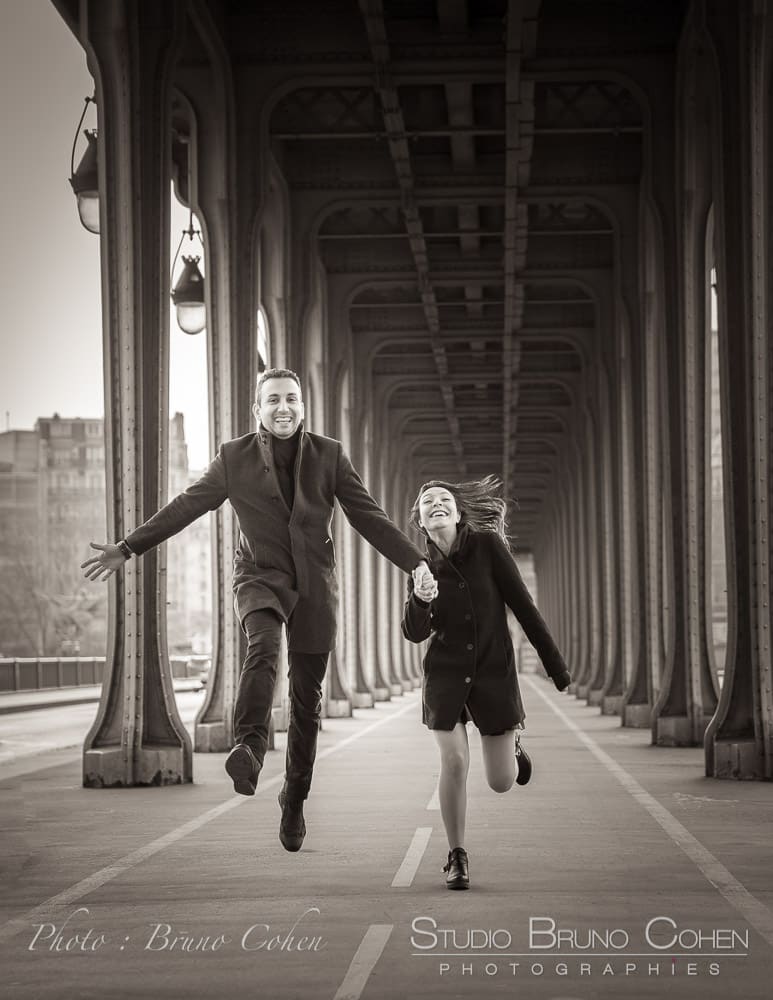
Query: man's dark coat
470	661
285	559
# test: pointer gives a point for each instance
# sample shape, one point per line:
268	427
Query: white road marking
375	725
364	961
86	885
29	763
434	802
750	908
412	860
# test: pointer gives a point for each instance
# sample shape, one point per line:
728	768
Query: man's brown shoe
243	768
292	826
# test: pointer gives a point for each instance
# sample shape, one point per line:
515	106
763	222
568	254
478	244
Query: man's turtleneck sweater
285	452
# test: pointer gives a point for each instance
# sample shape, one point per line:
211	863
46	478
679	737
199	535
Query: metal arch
393	338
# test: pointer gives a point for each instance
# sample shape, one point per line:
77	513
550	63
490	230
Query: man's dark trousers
255	698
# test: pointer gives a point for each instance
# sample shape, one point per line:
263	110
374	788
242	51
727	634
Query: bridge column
225	196
570	543
590	531
686	699
607	683
367	557
387	619
739	738
637	710
582	576
137	737
559	570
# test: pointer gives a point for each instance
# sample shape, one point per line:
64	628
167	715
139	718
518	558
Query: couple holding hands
283	482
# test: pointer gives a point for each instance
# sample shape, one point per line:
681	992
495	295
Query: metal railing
52	672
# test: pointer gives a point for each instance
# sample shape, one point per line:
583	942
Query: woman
469	668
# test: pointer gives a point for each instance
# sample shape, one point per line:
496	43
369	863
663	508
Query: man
282	483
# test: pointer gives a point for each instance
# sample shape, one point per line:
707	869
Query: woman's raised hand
424	583
110	559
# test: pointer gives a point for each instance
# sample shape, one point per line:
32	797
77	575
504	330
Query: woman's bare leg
499	760
452	787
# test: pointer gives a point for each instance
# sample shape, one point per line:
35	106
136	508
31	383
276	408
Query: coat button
468	680
467	617
266	468
469	645
461	586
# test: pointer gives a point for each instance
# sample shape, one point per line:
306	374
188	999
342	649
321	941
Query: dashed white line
131	860
750	908
412	860
364	961
434	802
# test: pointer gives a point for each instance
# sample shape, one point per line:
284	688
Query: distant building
52	504
189	564
22	621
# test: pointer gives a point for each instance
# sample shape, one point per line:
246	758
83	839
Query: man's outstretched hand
100	567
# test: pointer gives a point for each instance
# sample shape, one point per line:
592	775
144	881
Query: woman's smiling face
437	509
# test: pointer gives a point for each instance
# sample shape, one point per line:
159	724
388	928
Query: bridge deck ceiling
471	183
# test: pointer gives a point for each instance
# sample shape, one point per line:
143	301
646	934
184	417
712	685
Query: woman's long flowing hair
477	502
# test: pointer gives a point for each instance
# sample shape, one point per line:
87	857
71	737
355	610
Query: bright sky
51	335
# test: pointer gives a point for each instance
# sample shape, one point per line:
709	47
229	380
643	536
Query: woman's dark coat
285	559
470	660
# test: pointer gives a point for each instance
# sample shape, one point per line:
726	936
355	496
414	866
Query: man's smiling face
280	408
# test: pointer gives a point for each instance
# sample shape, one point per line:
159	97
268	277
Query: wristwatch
124	547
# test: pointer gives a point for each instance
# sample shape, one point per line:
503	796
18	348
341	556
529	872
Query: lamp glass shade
191	316
85	184
188	297
88	210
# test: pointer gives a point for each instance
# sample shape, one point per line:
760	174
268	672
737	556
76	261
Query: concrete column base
280	719
153	765
637	716
362	699
381	694
339	708
595	697
739	760
211	737
612	704
396	689
673	731
581	691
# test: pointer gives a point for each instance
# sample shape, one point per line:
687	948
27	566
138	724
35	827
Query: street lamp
84	180
188	293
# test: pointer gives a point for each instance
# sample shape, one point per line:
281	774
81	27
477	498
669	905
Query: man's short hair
274	373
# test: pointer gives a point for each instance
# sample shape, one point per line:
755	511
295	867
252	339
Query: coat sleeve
370	520
517	597
207	493
416	617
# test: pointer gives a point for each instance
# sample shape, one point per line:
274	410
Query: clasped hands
424	583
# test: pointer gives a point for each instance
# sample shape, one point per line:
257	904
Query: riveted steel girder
137	737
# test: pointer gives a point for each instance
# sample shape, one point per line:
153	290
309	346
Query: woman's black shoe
458	876
524	763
